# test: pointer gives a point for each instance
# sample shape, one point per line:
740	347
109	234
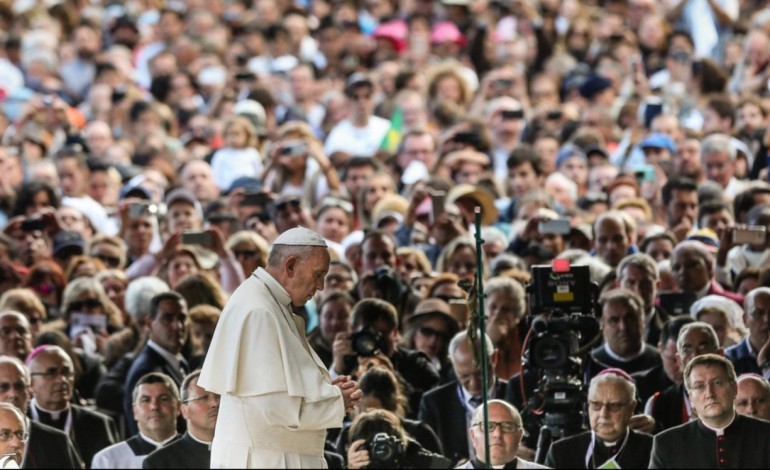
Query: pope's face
306	275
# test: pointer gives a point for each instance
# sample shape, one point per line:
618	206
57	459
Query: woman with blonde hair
299	166
376	186
459	257
447	83
250	249
88	314
25	301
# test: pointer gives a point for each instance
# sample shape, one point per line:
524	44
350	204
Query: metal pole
484	360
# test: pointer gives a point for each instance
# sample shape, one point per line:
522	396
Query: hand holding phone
438	205
197	237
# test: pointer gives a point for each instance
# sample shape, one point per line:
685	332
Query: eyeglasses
7	331
6	387
430	332
448	298
505	426
85	304
699	387
295	203
612	407
248	254
760	313
6	435
54	373
330	202
207	397
263	217
111	261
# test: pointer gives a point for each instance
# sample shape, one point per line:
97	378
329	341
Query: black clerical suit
744	444
48	447
668	408
573	452
182	453
649	358
90	431
649	382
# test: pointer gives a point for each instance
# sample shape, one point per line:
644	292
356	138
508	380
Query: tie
475	402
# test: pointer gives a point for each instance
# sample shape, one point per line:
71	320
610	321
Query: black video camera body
385	451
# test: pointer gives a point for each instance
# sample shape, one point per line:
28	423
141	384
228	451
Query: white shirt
121	455
357	141
229	164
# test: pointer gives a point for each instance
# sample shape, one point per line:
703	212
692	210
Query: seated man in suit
169	325
622	328
720	437
156	408
52	383
668	373
200	409
671	407
505	433
46	447
756	316
753	397
448	409
611	441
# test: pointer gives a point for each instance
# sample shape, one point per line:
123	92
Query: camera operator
375	329
379	441
378	274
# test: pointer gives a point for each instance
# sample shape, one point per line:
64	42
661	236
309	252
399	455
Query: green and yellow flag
393	136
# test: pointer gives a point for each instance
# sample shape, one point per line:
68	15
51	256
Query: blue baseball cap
594	85
658	141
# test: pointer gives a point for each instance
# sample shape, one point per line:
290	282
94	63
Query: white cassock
277	397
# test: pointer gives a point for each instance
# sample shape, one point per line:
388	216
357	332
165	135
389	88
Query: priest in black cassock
200	409
720	437
610	443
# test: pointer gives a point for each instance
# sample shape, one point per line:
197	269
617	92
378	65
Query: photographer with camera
379	441
375	330
379	279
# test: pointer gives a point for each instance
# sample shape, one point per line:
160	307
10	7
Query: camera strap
611	462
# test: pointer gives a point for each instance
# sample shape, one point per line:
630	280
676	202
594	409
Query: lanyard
590	453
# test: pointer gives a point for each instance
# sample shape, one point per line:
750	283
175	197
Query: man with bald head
198	178
47	447
693	268
13	434
753	397
757	317
611	238
53	377
99	139
15	335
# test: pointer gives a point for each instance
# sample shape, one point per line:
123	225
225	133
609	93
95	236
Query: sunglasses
295	203
248	254
111	261
429	332
85	304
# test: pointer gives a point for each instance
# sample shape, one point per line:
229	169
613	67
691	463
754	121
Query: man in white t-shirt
361	133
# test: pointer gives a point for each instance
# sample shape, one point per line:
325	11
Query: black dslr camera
366	342
385	451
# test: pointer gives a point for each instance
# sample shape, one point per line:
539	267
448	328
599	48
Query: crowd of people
154	151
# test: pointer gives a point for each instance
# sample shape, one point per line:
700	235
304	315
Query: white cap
300	236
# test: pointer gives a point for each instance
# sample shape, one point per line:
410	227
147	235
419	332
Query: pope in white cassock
277	397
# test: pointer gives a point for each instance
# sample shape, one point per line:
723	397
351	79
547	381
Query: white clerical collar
720	431
154	442
55	415
174	360
200	441
614	356
281	294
